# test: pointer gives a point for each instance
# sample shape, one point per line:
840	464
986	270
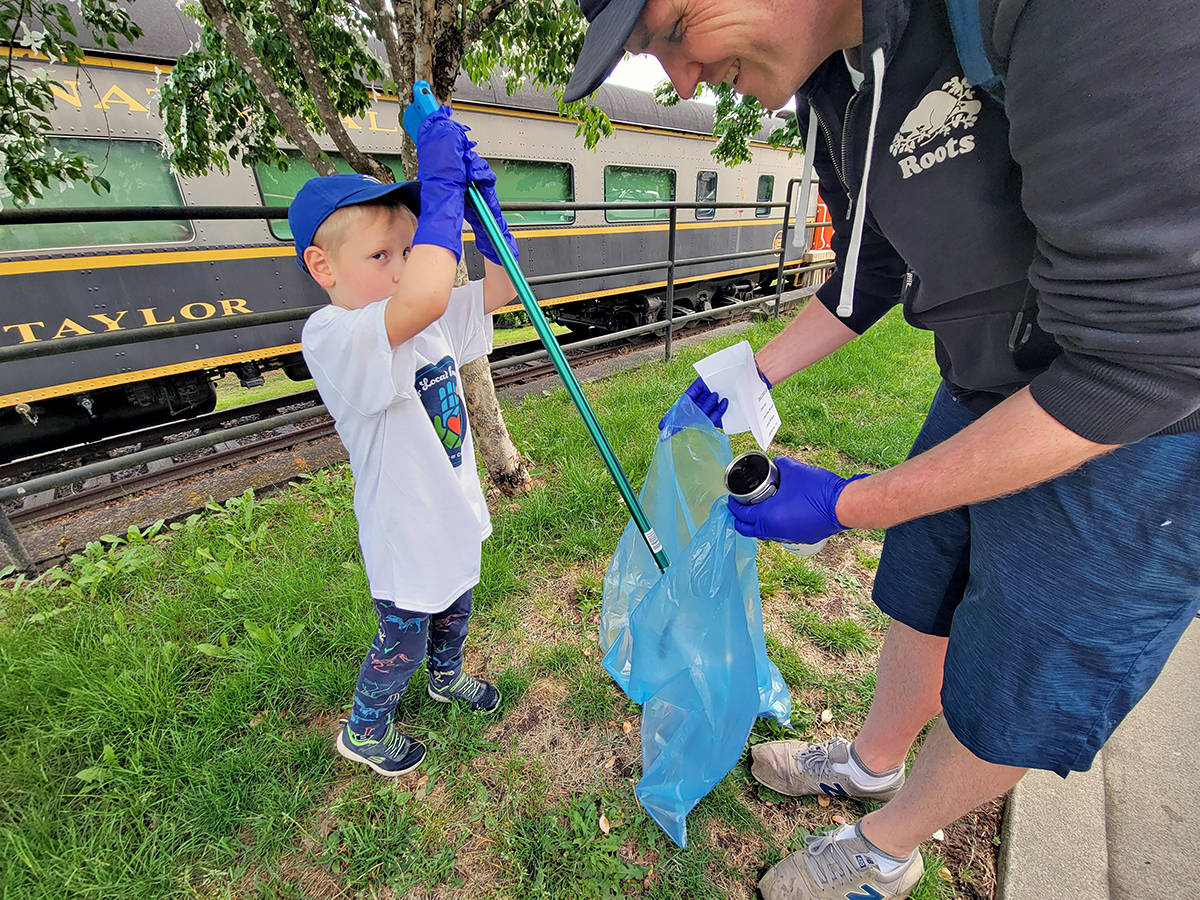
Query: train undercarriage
52	424
633	310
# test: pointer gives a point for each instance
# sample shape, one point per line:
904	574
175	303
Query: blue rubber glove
442	171
802	511
710	403
481	173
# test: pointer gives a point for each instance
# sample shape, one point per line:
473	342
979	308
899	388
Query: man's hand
710	403
485	179
802	511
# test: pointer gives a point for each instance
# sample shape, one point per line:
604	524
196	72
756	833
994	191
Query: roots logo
938	114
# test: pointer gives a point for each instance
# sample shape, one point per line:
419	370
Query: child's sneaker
797	768
456	684
839	865
395	754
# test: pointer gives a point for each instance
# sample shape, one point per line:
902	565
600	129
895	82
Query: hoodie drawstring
800	235
846	301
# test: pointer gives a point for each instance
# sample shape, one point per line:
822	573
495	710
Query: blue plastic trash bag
688	643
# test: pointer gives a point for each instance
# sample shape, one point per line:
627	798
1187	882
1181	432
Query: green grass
168	701
231	394
591	698
505	336
785	571
563	658
834	635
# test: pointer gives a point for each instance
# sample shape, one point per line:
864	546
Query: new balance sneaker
456	684
394	754
797	768
838	866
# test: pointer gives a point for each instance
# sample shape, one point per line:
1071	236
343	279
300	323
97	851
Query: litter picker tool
426	104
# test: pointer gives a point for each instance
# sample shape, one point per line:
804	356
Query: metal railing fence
10	540
33	349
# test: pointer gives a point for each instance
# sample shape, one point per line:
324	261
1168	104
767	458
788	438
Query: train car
61	281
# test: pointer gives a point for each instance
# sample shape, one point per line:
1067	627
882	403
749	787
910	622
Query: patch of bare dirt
573	760
299	867
972	851
312	880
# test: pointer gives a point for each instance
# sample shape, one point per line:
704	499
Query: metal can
751	478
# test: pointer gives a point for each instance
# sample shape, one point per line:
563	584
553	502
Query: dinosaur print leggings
403	640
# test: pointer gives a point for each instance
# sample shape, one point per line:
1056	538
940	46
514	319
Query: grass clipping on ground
169	699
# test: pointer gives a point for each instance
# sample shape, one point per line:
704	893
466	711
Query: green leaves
212	111
28	163
737	120
105	565
99	773
565	852
261	641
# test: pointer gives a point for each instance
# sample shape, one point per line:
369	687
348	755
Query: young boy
385	356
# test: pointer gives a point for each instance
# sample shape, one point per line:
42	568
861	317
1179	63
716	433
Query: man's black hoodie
1053	240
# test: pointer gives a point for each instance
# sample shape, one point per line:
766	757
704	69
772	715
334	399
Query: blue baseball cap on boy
320	196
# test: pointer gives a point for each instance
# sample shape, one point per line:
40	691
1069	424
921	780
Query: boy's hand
709	402
441	168
481	173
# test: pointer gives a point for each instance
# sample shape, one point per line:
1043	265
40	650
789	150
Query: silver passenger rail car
59	281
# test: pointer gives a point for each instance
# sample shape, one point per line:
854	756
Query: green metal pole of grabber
426	103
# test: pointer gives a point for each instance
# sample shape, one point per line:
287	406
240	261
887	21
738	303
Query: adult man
1040	561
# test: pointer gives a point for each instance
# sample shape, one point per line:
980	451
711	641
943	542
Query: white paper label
732	374
653	541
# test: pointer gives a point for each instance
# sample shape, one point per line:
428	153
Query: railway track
72	499
263	461
106	489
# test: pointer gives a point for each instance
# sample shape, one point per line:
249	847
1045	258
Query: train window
517	179
279	188
706	190
139	176
626	184
532	181
766	193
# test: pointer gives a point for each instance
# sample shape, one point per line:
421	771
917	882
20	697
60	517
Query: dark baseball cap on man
320	196
612	22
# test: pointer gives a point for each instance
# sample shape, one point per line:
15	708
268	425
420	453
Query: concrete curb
1128	829
1055	842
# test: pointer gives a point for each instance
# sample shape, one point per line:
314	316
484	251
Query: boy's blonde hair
342	222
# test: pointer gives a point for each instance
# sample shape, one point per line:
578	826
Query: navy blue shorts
1061	603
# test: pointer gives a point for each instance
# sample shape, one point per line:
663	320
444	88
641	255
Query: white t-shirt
401	415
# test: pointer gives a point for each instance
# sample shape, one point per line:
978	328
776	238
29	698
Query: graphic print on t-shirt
437	383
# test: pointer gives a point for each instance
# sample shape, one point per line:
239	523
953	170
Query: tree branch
293	126
394	23
422	38
484	17
388	24
306	59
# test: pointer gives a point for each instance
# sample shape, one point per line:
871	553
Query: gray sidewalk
1129	828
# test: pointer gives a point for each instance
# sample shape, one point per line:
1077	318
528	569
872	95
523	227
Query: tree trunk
504	465
500	457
